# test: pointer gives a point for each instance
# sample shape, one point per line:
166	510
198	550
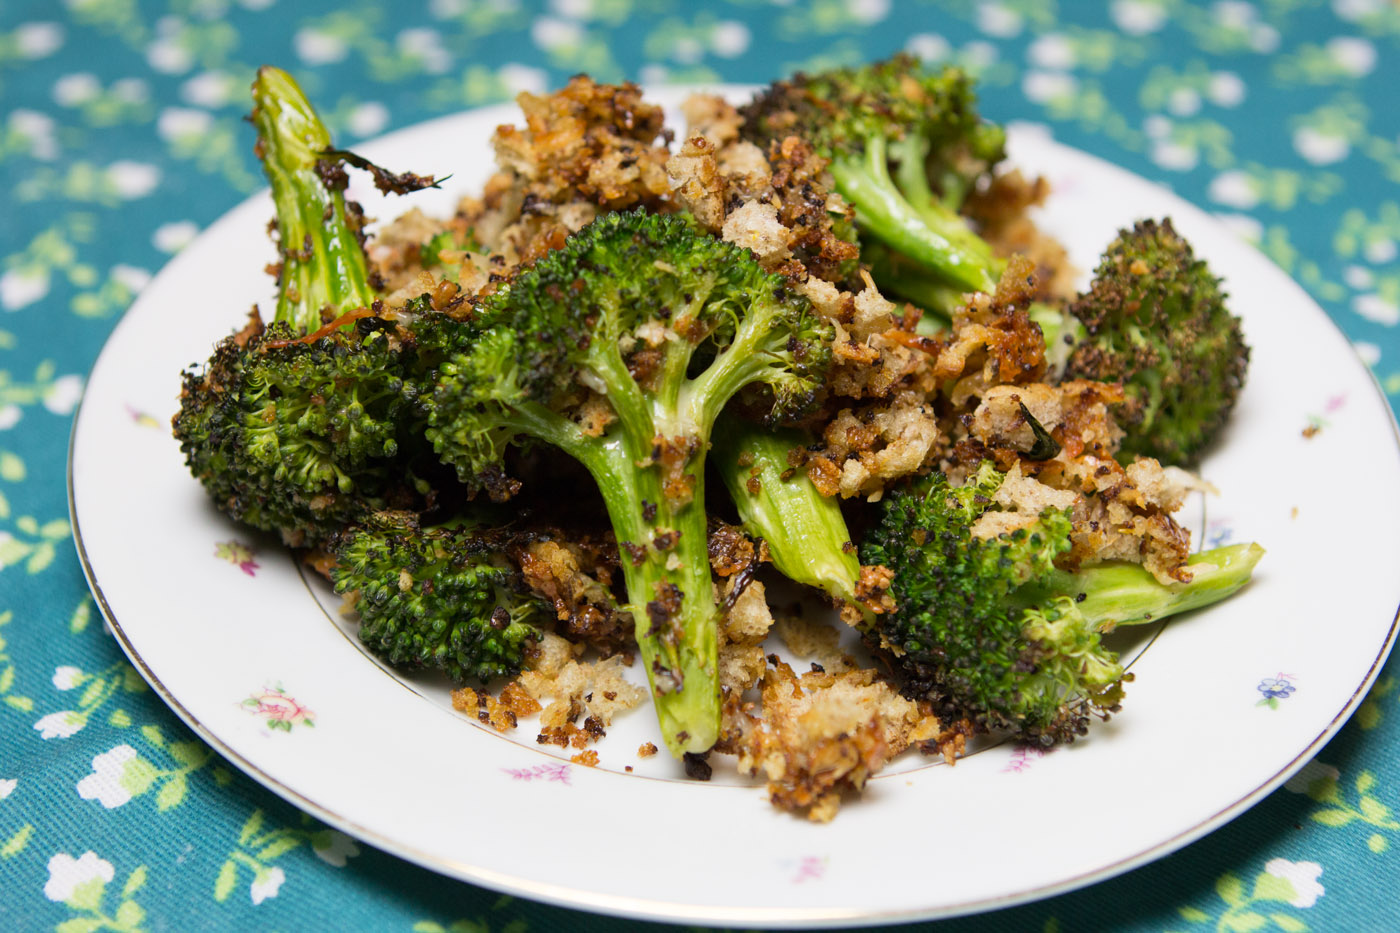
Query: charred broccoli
993	630
301	438
906	145
1155	320
621	348
442	598
301	427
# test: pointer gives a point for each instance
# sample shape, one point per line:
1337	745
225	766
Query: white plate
247	658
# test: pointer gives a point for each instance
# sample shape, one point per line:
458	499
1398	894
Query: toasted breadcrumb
575	581
866	447
1118	513
597	691
814	641
1001	211
699	189
823	734
994	341
549	655
486	708
712	117
741	633
514	697
755	226
394	253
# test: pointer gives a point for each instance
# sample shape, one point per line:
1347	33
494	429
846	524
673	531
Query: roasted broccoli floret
440	598
302	438
989	627
1155	320
621	348
301	427
905	144
806	534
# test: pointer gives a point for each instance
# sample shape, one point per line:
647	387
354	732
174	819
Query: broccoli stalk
439	598
994	631
908	218
1121	593
298	428
323	272
620	349
805	531
905	146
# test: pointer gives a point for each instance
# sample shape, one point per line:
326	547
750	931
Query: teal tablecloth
121	137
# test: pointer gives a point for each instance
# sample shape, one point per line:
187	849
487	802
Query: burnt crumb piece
666	607
731	551
386	181
646	750
696	767
485	708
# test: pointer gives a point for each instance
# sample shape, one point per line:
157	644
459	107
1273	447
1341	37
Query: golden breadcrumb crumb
823	734
596	691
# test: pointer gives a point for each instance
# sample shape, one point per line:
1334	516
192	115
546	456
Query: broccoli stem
805	531
323	263
935	237
664	552
911	178
1121	593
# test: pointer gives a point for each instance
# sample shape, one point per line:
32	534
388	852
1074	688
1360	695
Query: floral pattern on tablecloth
121	137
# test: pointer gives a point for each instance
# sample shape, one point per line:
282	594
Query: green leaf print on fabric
1371	713
1245	908
82	885
98	690
214	145
17	842
8	696
1347	806
123	773
259	846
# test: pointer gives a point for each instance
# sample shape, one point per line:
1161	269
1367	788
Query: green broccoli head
897	99
621	348
661	320
1156	321
444	250
990	627
956	631
442	598
906	146
300	428
298	437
